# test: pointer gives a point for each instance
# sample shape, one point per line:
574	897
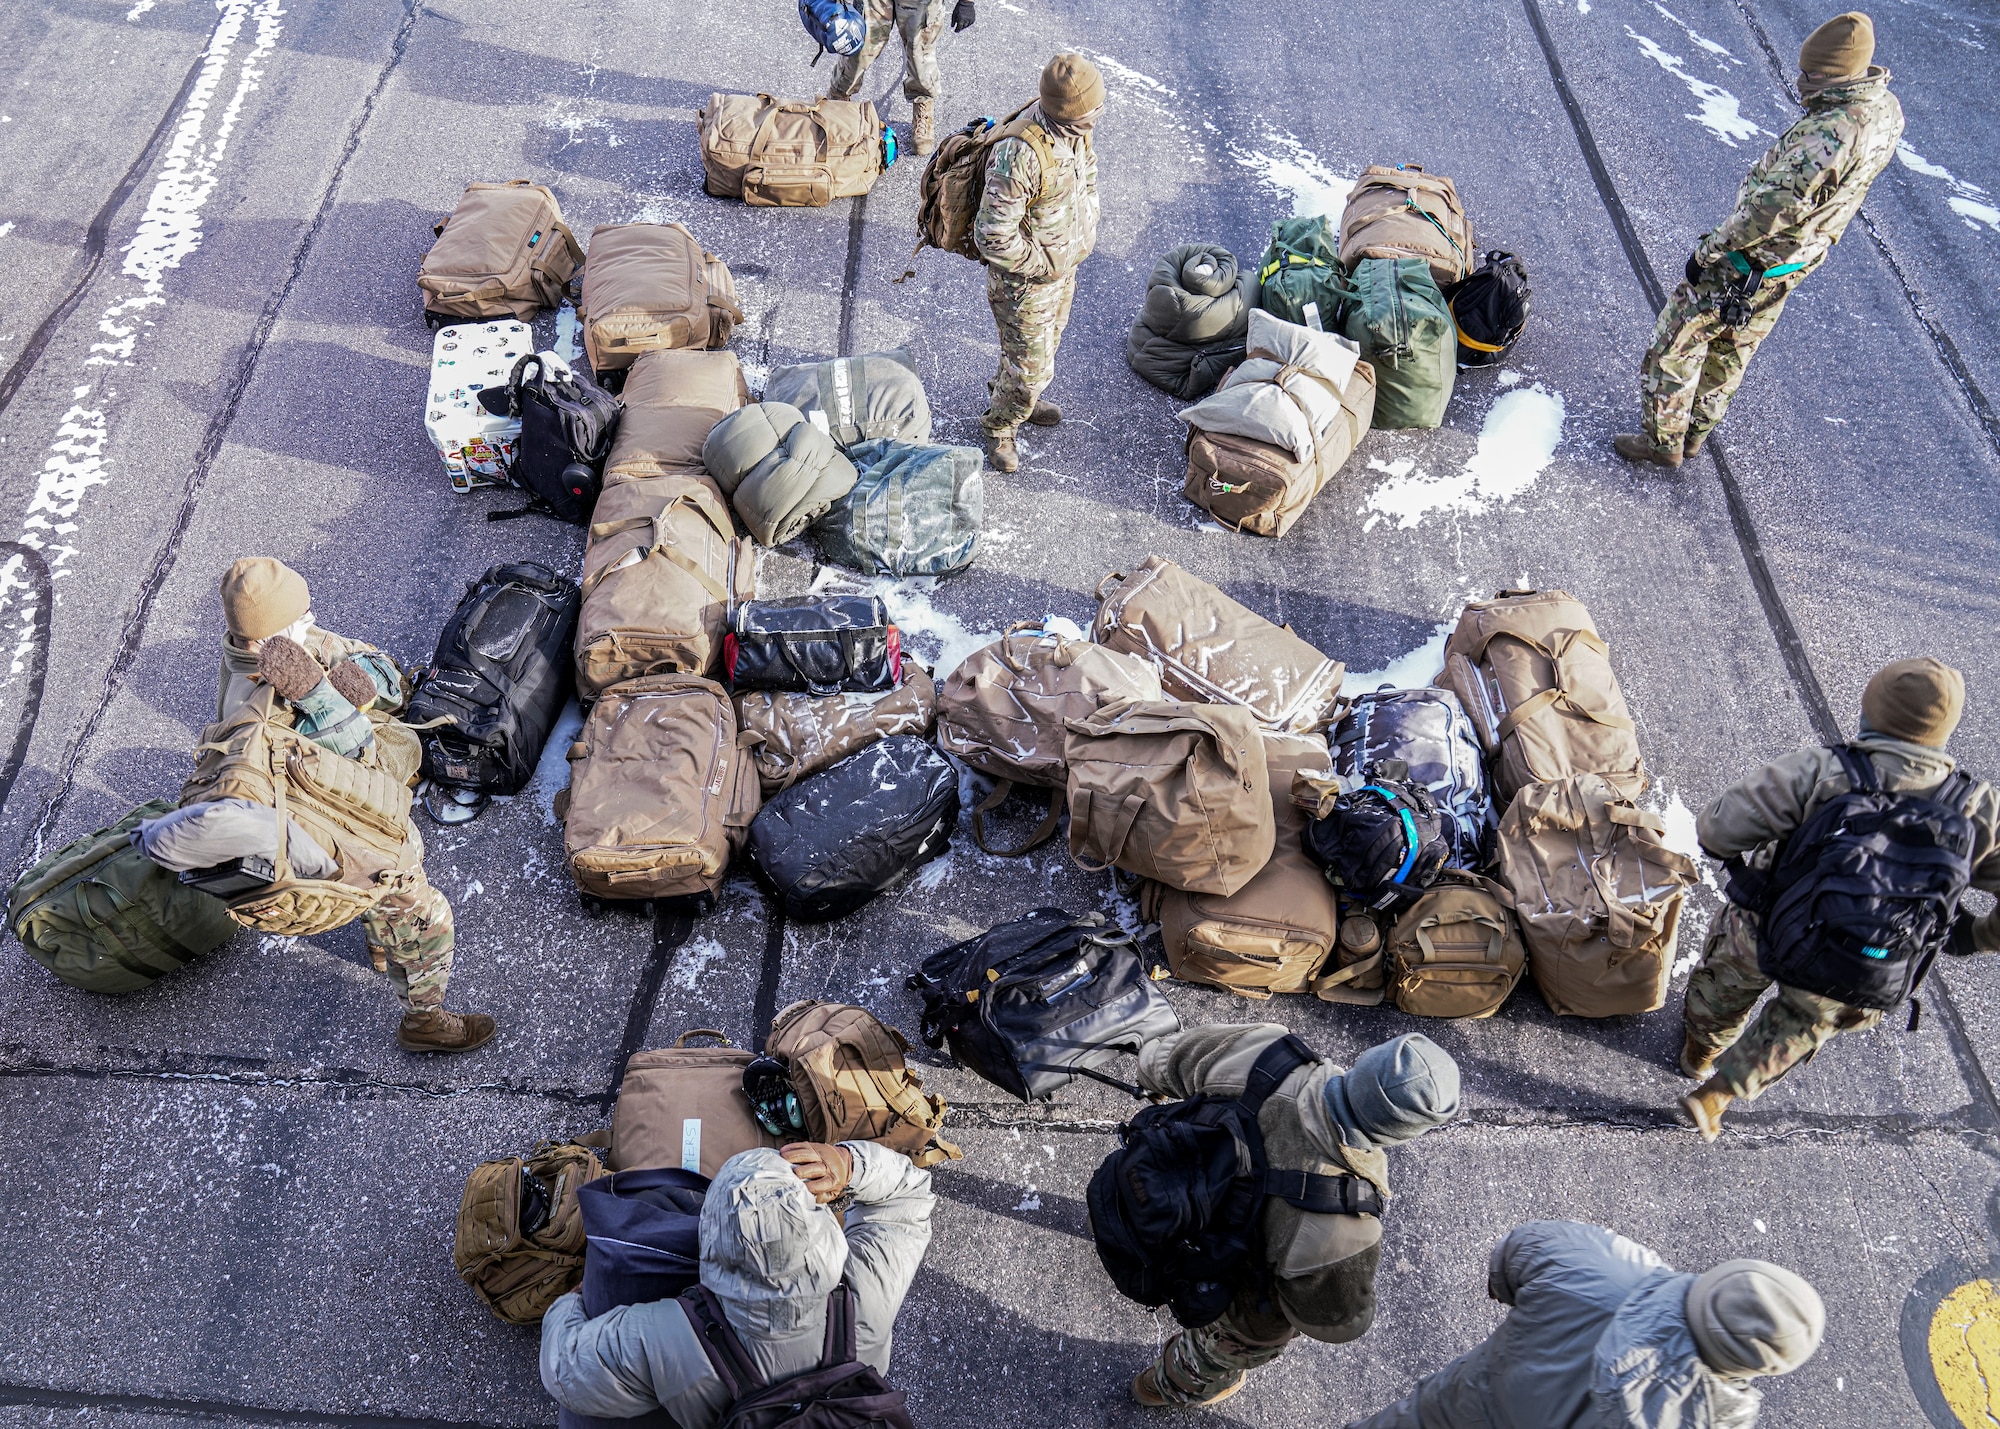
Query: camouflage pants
409	937
1792	1026
1031	318
1695	364
920	22
1200	1363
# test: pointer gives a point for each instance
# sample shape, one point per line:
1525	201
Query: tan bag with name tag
684	1106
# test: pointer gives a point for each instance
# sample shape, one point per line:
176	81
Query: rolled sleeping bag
1190	329
858	399
780	471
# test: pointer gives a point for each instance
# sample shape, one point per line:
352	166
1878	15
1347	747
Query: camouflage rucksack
520	1231
955	178
852	1084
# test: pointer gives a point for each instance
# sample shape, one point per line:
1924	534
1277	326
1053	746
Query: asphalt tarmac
230	1198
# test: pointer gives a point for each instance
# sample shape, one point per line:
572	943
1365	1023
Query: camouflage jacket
1038	226
1799	198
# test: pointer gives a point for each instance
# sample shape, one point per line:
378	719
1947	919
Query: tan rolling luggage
649	287
684	1106
786	153
672	400
790	734
504	252
1400	211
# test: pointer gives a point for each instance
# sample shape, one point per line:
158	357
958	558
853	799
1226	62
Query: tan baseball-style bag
1005	711
852	1083
1207	647
685	1106
1177	793
519	1273
1402	212
1598	894
790	734
1276	931
660	798
787	153
662	567
504	252
649	287
1455	952
672	400
1536	679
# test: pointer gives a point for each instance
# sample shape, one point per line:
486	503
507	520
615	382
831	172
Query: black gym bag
1032	1004
567	423
1490	307
1383	844
820	644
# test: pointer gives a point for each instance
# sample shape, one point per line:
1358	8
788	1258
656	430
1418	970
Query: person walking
919	22
1790	210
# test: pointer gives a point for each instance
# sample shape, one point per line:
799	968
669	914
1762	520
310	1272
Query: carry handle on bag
663	543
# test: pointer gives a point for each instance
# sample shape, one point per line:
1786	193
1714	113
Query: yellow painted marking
1965	1353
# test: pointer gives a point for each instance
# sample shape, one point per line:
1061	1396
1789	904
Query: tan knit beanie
1750	1318
261	596
1841	48
1920	700
1071	88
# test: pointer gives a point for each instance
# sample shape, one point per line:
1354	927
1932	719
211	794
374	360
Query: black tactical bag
832	842
818	644
1383	844
1429	731
498	681
567	423
1489	306
1862	896
1032	1004
842	1392
1175	1209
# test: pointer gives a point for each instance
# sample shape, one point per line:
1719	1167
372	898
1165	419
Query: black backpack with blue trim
1384	843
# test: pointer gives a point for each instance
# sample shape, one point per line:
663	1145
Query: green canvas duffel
102	916
1301	268
1394	310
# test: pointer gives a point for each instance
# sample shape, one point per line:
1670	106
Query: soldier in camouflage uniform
1790	211
1037	221
344	695
1908	713
920	22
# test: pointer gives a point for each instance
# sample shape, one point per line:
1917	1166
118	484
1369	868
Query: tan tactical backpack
520	1273
1455	952
1276	931
649	287
660	798
1209	648
672	400
852	1083
1598	893
504	252
1400	211
357	813
1005	711
788	153
1536	679
685	1106
955	180
791	734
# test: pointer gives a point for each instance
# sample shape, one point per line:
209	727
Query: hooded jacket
771	1257
1597	1338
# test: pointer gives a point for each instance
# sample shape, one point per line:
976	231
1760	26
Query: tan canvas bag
1207	647
672	401
1263	489
790	735
1598	893
518	1273
1006	710
661	569
1274	933
1403	212
1536	679
1177	793
648	287
504	252
685	1106
1455	952
660	798
787	153
852	1083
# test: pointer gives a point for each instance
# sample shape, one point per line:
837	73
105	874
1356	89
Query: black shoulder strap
840	1347
1860	769
1957	790
1325	1195
731	1362
1275	1063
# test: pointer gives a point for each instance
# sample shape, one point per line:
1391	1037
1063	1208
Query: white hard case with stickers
477	447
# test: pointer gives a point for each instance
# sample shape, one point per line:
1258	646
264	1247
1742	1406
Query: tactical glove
962	16
288	668
354	682
1958	942
825	1169
1694	269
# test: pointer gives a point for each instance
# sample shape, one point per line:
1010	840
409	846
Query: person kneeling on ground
1602	1334
771	1253
1320	1280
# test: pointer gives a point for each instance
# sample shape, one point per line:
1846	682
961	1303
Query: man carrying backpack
1037	222
1790	211
772	1254
1908	713
1602	1334
920	22
1317	1270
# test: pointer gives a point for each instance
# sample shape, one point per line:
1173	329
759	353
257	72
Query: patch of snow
1516	444
1721	113
552	769
6	228
693	960
1583	7
139	9
1032	1201
569	345
1695	36
1975	213
1407	672
1968	200
1289	168
1509	377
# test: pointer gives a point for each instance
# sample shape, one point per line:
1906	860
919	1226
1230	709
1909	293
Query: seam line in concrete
764	1011
673	924
29	1394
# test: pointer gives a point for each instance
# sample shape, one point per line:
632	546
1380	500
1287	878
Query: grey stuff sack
858	399
915	511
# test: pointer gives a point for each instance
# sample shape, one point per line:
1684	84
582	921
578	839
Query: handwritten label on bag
691	1144
1312	317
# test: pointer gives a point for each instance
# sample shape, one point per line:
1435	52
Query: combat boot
923	125
1706	1104
1693	444
1046	414
1148	1388
439	1031
1697	1061
1636	448
1001	453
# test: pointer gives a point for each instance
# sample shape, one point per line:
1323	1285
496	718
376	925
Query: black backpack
841	1393
567	423
1862	896
498	681
1384	843
1175	1210
1429	731
1490	308
1032	1004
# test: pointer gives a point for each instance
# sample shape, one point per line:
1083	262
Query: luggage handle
1104	584
1333	986
1043	831
768	124
663	543
716	1033
1121	826
1495	945
1005	653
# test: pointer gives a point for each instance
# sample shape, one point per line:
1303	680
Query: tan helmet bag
520	1273
849	1074
648	287
504	252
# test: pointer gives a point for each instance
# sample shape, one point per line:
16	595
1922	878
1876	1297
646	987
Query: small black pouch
819	644
238	875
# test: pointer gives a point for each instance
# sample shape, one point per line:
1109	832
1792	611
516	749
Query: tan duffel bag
790	735
1006	710
672	400
1177	793
1598	893
1262	489
504	252
852	1083
1455	952
648	287
774	153
685	1106
659	798
1207	647
1536	679
1400	211
660	572
1274	933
